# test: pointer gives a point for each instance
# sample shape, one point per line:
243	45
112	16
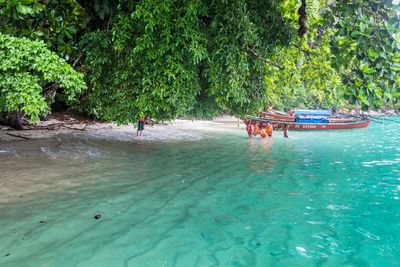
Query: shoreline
179	129
31	179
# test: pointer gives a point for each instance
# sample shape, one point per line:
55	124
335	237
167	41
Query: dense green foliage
349	55
179	58
367	49
30	75
306	78
52	21
198	58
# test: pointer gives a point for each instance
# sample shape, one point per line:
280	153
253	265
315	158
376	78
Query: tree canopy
30	74
367	49
176	58
198	58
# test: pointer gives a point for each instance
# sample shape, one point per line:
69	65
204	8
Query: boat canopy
312	112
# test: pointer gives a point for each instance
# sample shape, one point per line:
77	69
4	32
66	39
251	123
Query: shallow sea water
315	199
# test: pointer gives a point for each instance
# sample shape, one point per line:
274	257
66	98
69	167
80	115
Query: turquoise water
315	199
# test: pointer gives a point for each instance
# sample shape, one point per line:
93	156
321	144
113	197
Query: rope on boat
380	120
391	120
375	119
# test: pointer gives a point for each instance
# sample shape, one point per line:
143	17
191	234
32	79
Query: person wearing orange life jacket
140	126
249	129
263	133
269	129
255	129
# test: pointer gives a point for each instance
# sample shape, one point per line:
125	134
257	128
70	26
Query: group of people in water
253	128
264	129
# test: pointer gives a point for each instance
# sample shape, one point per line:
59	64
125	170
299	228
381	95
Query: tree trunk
302	19
14	119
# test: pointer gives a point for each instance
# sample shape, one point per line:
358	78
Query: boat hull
325	126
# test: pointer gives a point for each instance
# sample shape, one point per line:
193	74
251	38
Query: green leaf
362	27
372	53
24	10
367	70
355	33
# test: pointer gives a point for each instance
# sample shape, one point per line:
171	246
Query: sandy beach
173	130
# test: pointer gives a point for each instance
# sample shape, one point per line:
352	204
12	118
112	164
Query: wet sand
40	161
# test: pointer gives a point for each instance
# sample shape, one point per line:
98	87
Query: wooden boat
276	115
327	126
342	120
313	124
291	116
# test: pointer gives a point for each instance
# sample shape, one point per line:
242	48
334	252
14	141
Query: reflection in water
71	150
260	155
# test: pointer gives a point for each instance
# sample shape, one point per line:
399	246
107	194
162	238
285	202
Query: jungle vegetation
120	59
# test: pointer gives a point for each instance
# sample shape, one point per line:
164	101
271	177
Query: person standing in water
140	126
286	130
269	129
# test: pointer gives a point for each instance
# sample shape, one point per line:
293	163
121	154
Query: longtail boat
276	115
306	120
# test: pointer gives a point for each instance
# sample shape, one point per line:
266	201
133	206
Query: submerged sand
37	161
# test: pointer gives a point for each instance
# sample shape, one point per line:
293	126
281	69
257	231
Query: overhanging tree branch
269	62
